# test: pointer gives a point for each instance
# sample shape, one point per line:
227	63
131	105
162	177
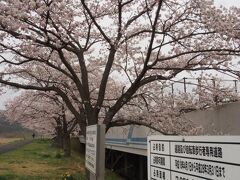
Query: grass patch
40	161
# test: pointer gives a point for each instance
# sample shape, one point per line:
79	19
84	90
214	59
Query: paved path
13	146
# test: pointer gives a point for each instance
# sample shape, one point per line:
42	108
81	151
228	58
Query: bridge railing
227	90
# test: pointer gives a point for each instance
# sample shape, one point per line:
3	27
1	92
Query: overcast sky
12	93
228	3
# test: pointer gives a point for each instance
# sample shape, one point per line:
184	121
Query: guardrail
229	89
187	84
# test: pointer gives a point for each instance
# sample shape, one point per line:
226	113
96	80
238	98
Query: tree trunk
59	137
66	139
67	145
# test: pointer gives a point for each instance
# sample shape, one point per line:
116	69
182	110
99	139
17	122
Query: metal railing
230	88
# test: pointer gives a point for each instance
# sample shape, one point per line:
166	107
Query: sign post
193	157
95	151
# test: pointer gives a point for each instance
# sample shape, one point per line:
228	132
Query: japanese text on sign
193	158
91	148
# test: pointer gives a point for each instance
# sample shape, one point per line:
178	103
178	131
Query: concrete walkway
13	146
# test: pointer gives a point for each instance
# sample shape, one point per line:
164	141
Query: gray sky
12	93
228	3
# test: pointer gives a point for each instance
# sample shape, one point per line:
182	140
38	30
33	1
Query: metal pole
184	83
199	86
214	84
235	83
101	152
162	93
214	95
172	95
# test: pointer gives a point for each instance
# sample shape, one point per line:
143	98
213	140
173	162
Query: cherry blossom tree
44	113
164	110
99	56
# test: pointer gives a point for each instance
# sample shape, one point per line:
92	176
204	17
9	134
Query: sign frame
165	153
95	151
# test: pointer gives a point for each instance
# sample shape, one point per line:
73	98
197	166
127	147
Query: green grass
40	161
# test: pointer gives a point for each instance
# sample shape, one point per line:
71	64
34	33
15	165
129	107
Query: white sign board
91	148
193	158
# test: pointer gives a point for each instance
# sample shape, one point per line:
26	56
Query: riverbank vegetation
40	160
